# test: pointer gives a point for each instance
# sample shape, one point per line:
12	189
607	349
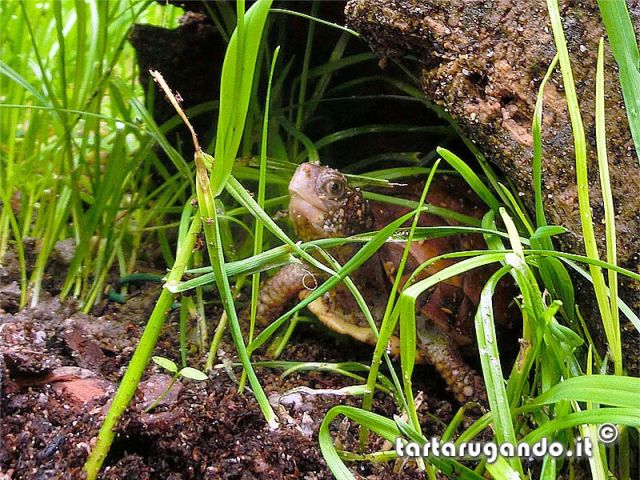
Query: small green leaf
565	334
165	363
548	231
193	374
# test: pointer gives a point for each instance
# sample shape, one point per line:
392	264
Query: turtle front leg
278	291
439	350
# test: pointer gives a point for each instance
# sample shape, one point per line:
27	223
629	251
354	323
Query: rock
155	386
190	58
63	252
76	386
10	297
81	392
483	62
22	347
86	350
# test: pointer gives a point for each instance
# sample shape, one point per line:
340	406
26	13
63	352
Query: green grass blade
433	209
617	391
408	328
369	129
385	428
582	180
210	222
235	90
491	369
140	358
536	130
623	416
479	259
10	73
471	178
624	46
315	19
624	308
609	208
259	227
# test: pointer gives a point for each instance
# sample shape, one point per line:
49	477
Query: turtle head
324	205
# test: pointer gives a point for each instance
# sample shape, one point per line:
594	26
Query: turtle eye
333	188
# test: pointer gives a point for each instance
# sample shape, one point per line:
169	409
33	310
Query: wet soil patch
59	368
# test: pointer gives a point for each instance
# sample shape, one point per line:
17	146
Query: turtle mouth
306	210
306	214
307	219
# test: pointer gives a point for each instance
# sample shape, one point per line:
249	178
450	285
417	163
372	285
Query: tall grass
550	350
71	115
67	75
549	372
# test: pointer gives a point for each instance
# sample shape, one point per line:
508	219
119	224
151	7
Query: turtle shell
451	304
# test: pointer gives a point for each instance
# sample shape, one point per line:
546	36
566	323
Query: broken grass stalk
211	228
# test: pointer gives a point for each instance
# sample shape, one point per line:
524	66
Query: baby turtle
324	205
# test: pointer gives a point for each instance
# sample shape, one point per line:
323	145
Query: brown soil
59	367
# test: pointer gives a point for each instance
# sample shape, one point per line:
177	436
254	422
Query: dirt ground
59	367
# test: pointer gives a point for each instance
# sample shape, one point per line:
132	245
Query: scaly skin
281	289
324	205
441	352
